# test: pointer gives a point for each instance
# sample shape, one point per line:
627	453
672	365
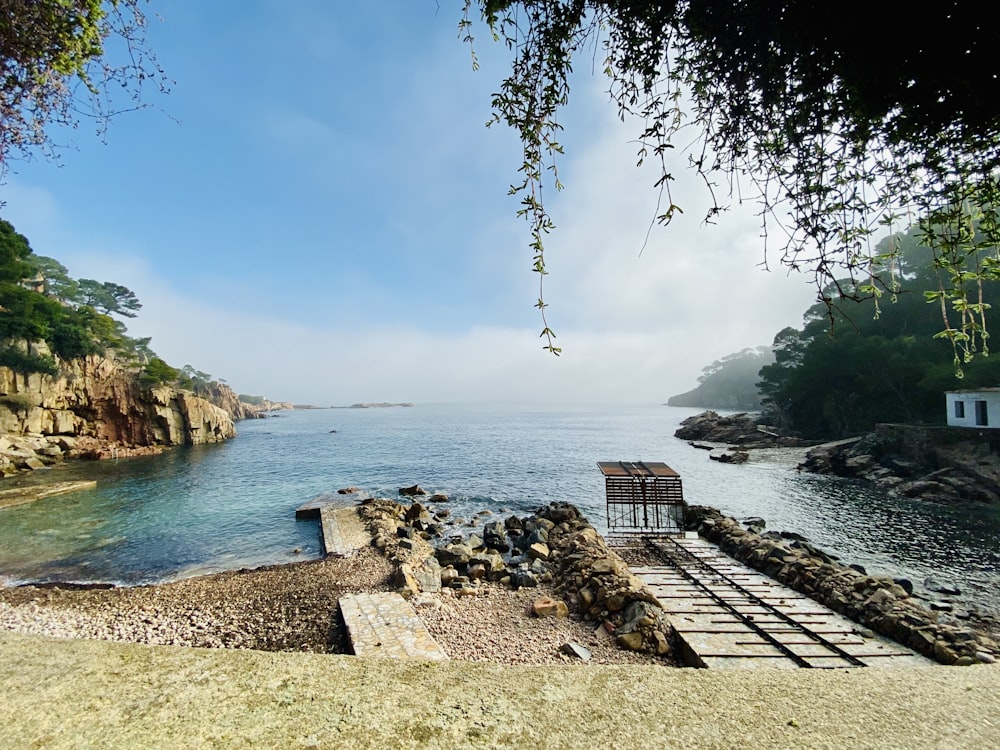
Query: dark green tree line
39	301
877	363
729	382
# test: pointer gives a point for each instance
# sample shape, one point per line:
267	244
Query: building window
982	420
960	410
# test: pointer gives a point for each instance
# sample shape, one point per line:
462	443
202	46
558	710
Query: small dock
729	616
21	495
343	531
312	508
385	625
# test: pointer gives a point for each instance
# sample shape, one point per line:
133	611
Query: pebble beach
294	608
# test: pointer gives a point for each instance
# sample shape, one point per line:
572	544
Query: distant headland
379	405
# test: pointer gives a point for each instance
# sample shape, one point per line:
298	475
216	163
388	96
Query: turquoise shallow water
210	508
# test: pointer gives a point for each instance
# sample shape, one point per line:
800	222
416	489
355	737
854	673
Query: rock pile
556	545
598	583
32	452
881	603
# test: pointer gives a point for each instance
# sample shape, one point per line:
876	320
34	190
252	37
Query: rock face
941	464
96	408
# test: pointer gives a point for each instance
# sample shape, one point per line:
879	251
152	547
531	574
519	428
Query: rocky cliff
95	407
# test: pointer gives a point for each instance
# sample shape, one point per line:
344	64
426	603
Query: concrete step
311	508
384	624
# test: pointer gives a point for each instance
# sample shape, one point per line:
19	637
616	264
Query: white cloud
633	329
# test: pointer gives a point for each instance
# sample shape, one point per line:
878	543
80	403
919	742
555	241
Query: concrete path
384	624
344	532
311	508
62	695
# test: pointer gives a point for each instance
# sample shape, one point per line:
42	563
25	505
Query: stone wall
881	603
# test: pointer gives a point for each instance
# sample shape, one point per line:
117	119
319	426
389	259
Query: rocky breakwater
883	604
556	546
940	464
95	408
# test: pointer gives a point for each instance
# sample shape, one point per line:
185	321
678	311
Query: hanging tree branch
834	123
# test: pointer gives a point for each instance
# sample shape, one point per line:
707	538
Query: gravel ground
277	608
497	626
294	608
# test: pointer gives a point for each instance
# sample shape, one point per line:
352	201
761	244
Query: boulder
454	554
539	551
428	575
405	582
546	606
575	651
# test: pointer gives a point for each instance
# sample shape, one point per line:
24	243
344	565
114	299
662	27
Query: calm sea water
210	508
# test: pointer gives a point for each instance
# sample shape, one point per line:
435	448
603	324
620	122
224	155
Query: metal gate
643	497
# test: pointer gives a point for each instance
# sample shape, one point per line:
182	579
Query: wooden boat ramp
726	615
729	616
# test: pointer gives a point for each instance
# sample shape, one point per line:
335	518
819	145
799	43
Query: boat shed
643	497
974	408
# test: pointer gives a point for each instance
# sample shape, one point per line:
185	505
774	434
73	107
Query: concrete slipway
90	694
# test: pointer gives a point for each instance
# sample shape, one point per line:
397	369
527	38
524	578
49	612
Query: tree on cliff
728	383
836	121
884	364
108	297
61	60
55	279
40	302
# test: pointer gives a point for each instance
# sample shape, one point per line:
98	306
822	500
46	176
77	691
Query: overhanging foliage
63	60
829	116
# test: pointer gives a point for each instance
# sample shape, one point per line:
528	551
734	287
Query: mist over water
209	508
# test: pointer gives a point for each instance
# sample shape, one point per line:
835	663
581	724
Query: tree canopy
839	120
61	60
729	383
39	301
881	364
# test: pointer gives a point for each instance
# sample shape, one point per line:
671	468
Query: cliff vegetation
73	383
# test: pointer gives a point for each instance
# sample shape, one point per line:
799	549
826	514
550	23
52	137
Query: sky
317	213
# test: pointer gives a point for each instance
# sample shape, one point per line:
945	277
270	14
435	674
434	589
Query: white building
974	408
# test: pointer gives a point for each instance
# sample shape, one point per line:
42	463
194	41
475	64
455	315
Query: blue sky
317	212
